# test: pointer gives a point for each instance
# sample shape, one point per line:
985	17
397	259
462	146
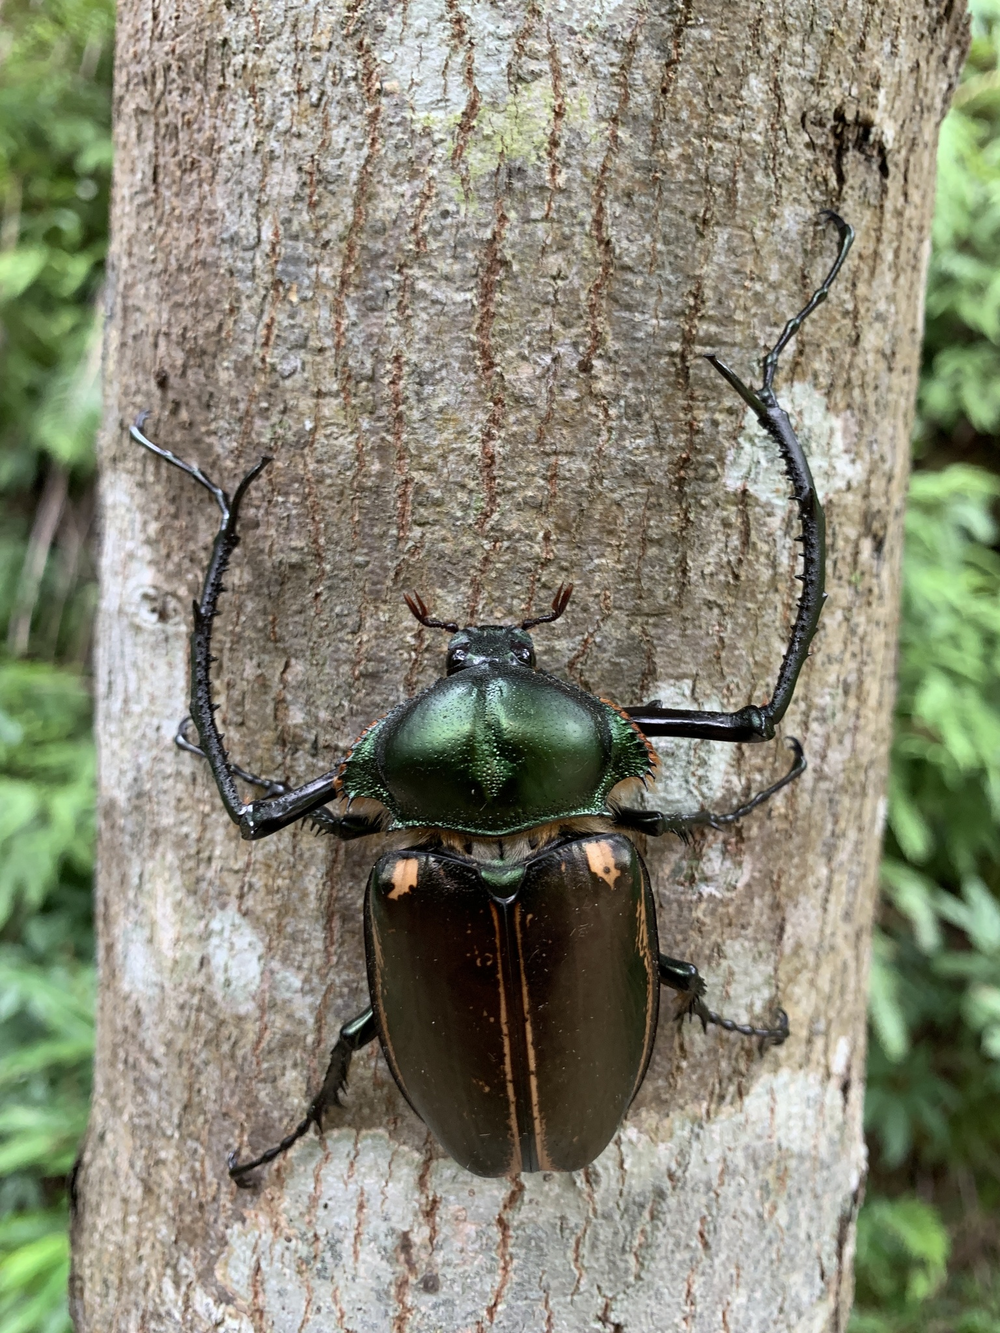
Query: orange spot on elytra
404	876
601	859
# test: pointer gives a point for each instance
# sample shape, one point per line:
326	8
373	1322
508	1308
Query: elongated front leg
256	819
654	823
755	723
690	984
353	1035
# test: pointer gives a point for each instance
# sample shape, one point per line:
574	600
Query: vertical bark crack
467	122
599	228
489	281
504	1256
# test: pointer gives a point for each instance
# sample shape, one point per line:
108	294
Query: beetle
511	942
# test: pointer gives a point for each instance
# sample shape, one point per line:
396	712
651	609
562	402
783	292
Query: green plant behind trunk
929	1235
55	65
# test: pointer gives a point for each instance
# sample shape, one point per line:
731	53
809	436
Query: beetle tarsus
846	233
346	826
269	785
773	1036
353	1035
718	821
220	496
751	724
654	823
690	985
239	1170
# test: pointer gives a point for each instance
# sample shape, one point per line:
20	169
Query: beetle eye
523	653
458	654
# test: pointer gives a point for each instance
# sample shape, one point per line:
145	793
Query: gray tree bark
455	265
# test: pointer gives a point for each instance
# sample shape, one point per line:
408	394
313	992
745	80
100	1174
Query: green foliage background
929	1233
55	160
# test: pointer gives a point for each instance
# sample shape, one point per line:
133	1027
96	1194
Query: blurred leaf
34	1270
884	1006
933	1103
915	897
903	1249
19	268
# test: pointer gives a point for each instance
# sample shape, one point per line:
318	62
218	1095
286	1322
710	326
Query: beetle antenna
419	608
559	603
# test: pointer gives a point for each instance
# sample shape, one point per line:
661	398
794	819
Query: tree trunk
455	266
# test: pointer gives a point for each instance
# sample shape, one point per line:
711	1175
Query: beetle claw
691	1007
240	1181
334	1097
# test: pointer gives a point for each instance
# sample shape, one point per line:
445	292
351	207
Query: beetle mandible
512	950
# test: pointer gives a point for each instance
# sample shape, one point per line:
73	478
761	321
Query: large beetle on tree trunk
513	959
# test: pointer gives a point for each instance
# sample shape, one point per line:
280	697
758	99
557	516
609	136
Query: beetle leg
270	785
353	1035
846	234
757	723
256	819
654	823
345	826
688	981
682	977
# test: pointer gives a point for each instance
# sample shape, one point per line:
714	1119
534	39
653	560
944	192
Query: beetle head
490	643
